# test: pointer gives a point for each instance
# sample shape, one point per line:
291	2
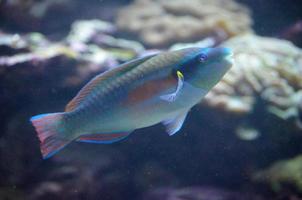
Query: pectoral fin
173	125
172	97
107	138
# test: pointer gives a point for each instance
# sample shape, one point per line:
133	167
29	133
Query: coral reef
88	44
34	46
282	175
167	22
265	68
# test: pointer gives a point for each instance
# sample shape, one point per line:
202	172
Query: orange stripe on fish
150	89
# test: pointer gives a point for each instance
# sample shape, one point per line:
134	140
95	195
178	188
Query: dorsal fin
86	90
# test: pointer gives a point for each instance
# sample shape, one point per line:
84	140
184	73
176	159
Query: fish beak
219	52
226	51
227	56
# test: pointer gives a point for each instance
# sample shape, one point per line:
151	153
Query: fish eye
202	57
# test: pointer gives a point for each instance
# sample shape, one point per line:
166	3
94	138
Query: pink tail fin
50	133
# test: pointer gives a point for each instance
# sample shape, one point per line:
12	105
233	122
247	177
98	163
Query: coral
97	32
265	68
282	174
88	44
12	40
166	22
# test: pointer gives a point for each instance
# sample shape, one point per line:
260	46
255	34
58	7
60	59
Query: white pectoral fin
172	97
173	125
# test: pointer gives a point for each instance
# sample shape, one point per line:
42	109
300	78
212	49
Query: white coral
265	68
164	22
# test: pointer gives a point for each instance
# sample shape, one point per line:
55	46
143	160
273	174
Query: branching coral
165	22
85	33
36	48
12	40
88	47
265	68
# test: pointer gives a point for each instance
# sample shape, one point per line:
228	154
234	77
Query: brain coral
160	23
265	68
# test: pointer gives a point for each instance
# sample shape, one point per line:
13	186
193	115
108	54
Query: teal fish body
154	89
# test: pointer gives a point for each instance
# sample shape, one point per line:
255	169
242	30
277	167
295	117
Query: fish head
204	68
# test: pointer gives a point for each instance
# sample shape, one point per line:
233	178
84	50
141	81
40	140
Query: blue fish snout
221	56
216	53
227	52
221	52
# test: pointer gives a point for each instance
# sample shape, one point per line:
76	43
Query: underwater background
242	142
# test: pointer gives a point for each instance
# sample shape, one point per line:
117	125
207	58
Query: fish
158	88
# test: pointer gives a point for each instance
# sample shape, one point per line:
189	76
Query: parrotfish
159	88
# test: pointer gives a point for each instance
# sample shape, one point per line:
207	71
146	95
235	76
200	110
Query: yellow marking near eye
180	75
150	89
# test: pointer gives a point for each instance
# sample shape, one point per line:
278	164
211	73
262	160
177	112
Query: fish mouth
227	57
222	54
229	60
221	57
225	51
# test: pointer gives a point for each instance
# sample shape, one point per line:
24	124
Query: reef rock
88	48
169	21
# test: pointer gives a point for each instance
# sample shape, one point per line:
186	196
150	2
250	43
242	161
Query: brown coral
159	23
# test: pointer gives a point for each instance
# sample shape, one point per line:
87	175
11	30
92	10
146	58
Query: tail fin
49	132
